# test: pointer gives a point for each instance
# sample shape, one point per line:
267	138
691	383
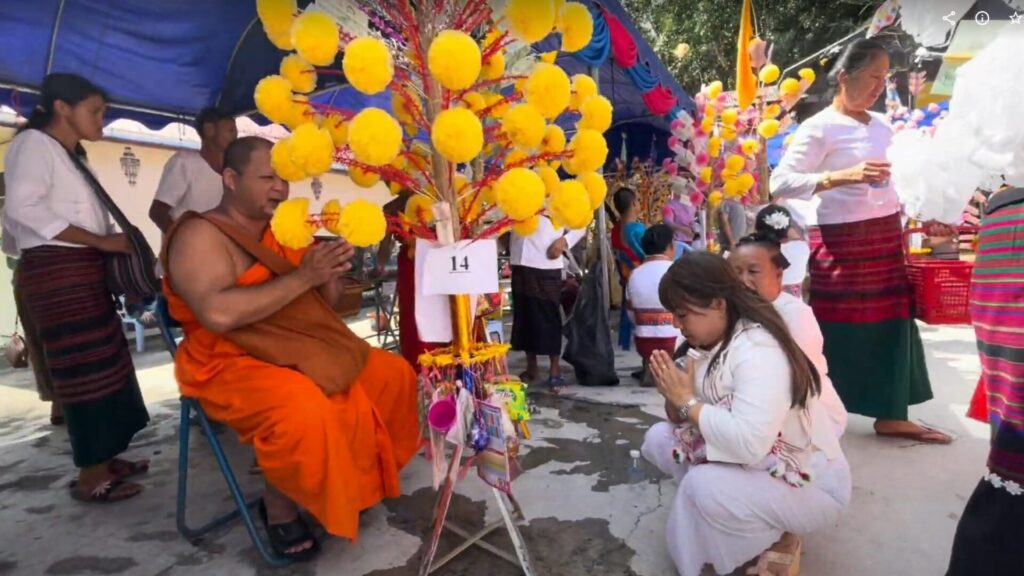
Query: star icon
1016	18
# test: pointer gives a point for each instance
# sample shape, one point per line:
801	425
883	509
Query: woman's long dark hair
697	278
71	89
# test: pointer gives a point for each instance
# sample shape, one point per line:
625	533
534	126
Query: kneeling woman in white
747	437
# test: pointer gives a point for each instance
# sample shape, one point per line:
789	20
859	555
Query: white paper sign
467	267
433	311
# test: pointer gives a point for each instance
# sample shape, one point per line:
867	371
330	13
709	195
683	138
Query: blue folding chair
242	506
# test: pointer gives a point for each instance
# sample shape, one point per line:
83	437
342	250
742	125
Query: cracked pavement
585	515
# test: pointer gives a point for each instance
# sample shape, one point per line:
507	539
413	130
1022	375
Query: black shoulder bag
131	275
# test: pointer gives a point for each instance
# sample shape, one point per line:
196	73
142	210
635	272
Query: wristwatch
684	411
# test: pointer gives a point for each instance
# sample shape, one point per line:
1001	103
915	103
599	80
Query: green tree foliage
798	28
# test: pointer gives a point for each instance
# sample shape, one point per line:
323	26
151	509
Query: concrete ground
585	517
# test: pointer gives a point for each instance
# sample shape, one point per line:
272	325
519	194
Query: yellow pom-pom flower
715	199
530	20
732	189
769	74
554	139
404	110
707	124
494	67
772	111
281	162
420	210
300	73
291	224
515	157
277	17
457	135
375	137
768	128
315	37
330	215
526	227
524	126
750	147
550	178
273	98
312	149
454	59
576	26
589	151
368	65
735	163
729	116
548	90
302	112
729	133
362	223
474	101
714	146
706	174
470	207
520	193
337	127
583	87
714	89
597	188
746	181
499	106
362	177
570	205
789	87
807	75
597	114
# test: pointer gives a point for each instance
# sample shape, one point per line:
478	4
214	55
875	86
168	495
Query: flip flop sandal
557	384
288	535
106	492
125	469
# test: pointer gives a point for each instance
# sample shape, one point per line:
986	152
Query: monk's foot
289	534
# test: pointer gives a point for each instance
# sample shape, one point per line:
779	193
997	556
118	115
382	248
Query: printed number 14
463	264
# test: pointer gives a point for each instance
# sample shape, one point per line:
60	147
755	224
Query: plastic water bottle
635	474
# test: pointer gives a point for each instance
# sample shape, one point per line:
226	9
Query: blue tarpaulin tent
163	60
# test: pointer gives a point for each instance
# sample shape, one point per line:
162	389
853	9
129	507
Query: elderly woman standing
61	232
859	287
753	448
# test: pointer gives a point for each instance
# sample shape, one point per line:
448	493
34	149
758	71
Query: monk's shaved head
239	152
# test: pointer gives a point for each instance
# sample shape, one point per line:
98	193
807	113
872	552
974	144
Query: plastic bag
589	346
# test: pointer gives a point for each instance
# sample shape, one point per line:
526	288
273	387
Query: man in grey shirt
732	224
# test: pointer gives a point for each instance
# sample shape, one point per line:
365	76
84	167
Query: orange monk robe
333	455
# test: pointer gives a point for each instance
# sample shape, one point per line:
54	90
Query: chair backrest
166	325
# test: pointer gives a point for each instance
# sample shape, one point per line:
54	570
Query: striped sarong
861	297
997	310
84	348
536	311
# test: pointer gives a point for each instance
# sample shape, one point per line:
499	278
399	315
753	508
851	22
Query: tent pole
602	230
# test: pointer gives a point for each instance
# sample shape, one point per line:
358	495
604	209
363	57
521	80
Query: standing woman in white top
61	234
536	290
747	437
761	264
859	287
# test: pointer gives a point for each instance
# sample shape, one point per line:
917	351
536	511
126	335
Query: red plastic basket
941	288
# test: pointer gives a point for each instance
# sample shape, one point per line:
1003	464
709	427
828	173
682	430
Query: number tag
466	267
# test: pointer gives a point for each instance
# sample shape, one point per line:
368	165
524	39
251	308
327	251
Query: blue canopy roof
160	62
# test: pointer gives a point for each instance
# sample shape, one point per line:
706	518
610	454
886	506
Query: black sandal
288	535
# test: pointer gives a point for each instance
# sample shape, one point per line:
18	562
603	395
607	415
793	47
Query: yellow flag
746	82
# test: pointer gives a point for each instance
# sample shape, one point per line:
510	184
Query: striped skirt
997	310
536	311
861	297
84	348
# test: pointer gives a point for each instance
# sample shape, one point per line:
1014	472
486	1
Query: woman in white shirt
61	232
760	263
653	323
537	265
747	436
859	287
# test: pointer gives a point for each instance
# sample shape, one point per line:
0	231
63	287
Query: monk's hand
676	385
326	261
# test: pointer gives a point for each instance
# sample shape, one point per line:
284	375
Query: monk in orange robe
333	424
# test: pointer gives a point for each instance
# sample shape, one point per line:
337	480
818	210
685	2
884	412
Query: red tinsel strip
402	227
481	14
510	99
494	229
412	107
485	83
495	46
412	34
